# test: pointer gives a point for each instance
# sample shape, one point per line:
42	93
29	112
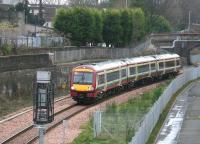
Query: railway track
29	109
30	134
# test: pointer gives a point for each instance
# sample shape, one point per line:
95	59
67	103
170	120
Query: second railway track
30	134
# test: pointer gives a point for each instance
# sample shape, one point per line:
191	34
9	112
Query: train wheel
100	95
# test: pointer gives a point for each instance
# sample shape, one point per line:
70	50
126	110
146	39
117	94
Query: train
92	82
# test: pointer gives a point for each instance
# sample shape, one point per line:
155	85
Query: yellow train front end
82	85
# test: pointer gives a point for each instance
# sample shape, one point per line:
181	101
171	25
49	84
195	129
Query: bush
6	49
98	27
115	27
159	24
112	29
138	24
127	27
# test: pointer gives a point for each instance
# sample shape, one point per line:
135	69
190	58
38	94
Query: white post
64	129
95	125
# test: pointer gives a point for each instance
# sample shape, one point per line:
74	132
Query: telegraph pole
189	23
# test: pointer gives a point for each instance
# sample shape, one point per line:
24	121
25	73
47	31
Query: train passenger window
101	79
112	76
123	73
169	64
161	65
153	66
177	62
132	70
143	68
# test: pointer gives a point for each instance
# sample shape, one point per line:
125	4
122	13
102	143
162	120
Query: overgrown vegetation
115	27
121	122
6	49
8	105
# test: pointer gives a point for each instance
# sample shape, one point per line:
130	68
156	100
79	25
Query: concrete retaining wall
17	73
195	59
10	63
70	54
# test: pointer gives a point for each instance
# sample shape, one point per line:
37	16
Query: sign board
43	77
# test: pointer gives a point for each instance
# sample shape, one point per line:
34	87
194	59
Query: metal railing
33	42
151	118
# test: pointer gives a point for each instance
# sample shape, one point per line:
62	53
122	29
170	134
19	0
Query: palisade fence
126	124
33	42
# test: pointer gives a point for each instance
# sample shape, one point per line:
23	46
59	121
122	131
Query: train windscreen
82	78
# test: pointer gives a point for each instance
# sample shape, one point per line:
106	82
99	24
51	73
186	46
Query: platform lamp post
43	102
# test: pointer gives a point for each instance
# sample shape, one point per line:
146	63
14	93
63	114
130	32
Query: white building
10	2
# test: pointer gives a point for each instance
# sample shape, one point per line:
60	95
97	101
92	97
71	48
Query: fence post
97	123
64	130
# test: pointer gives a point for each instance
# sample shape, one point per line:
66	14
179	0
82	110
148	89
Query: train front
82	85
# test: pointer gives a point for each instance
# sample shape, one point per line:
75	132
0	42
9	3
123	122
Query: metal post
35	25
41	129
189	23
126	3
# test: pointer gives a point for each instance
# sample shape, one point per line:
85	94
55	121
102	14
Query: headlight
91	88
72	88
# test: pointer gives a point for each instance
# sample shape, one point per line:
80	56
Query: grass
23	99
164	114
9	105
120	122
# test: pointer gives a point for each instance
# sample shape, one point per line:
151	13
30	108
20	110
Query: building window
112	76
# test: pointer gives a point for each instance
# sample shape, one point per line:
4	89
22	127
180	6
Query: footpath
182	125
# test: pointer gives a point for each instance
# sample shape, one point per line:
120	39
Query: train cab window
112	76
177	62
169	64
123	73
83	78
161	65
132	70
153	66
143	68
101	79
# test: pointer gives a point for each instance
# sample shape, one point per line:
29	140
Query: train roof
140	59
166	56
100	66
